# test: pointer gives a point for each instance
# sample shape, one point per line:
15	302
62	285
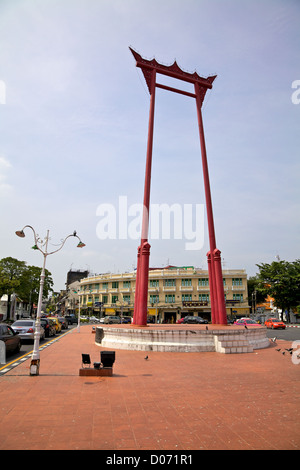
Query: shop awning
110	310
151	311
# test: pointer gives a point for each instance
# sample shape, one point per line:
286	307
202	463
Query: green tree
281	280
11	271
30	284
16	277
253	292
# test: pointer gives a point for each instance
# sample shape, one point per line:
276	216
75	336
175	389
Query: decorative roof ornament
174	71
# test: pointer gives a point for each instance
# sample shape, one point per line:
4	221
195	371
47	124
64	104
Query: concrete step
232	346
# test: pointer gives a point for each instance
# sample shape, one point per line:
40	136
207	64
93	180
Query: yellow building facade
173	292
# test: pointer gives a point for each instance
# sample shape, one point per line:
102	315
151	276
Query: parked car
245	321
48	326
26	329
71	319
274	323
94	319
191	319
231	319
56	323
126	320
112	319
64	323
11	339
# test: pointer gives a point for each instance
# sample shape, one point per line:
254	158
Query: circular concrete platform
226	339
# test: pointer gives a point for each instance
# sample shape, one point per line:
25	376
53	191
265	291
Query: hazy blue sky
74	118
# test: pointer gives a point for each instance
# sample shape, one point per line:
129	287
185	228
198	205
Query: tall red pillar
141	287
217	297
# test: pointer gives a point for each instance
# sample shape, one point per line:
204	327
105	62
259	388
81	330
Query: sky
74	112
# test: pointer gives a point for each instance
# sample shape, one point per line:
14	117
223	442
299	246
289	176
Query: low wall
178	339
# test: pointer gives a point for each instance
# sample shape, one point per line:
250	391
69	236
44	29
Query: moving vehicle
112	319
245	321
71	319
48	326
274	323
26	329
64	323
191	319
56	323
126	320
11	339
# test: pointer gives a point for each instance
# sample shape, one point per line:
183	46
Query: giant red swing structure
150	69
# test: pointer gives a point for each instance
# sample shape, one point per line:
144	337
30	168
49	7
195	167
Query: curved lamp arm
38	241
80	243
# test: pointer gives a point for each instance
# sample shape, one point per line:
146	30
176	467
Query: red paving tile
173	401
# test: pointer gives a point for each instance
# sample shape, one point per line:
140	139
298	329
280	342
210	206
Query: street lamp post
78	319
42	246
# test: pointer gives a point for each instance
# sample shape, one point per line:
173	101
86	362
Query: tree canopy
16	277
280	280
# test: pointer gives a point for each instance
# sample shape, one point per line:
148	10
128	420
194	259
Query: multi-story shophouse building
173	292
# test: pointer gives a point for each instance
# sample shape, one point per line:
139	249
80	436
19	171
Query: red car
245	321
274	323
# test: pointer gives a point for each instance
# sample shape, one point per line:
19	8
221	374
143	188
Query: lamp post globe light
42	246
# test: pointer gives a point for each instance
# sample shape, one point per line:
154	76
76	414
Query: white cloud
5	166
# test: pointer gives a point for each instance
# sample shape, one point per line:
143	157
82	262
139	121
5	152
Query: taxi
274	323
57	324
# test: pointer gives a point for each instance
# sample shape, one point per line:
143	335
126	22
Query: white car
94	319
26	329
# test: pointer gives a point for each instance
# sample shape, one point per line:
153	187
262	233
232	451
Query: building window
96	298
170	282
126	284
186	282
203	282
114	299
186	297
237	281
239	297
115	284
154	283
170	298
203	297
126	298
154	298
105	299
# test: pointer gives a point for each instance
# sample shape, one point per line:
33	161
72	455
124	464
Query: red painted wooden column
141	286
217	297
